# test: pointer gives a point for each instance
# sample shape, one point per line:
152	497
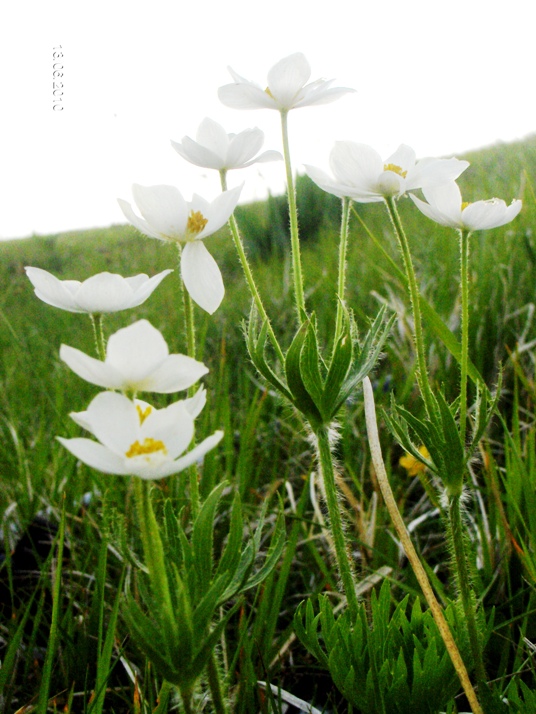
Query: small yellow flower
412	465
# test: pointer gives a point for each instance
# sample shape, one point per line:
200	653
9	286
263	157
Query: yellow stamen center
395	169
268	92
465	204
149	446
196	222
143	414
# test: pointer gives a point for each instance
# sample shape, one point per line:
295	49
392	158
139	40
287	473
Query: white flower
215	149
445	206
360	173
135	439
102	293
287	88
137	360
166	215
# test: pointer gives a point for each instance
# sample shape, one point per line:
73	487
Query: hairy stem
464	583
97	320
464	282
325	457
189	326
341	287
235	233
422	371
293	213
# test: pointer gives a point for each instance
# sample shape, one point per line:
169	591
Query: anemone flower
361	175
287	88
445	206
167	216
102	293
135	439
215	149
137	360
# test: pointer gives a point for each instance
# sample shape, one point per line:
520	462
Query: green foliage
318	390
396	664
264	446
178	622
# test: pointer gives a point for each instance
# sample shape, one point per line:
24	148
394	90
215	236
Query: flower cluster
134	438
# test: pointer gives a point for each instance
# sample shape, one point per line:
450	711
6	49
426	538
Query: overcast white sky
442	76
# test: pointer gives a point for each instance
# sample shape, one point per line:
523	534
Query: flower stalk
464	283
293	216
97	320
411	553
422	371
235	233
189	324
464	584
325	458
341	284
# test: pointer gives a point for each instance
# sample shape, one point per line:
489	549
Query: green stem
218	702
341	287
97	320
411	553
235	233
325	458
189	324
293	213
464	583
186	697
422	371
464	284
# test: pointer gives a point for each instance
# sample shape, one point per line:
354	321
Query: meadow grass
66	646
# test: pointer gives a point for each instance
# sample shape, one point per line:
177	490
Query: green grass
265	450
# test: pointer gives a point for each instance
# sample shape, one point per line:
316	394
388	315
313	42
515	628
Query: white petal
92	370
428	173
446	200
51	290
483	215
201	276
356	165
322	95
404	157
245	96
95	455
196	403
326	183
136	350
103	293
143	289
266	156
243	147
196	454
114	420
287	77
164	209
198	155
175	373
136	221
213	136
432	213
219	211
